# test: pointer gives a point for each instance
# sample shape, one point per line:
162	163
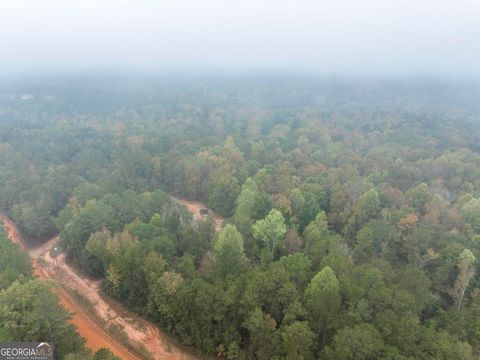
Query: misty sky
336	36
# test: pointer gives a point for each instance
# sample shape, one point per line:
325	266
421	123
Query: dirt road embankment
95	316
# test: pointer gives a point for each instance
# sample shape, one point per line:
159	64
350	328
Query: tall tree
367	205
271	230
264	336
322	300
318	239
228	250
471	212
245	206
466	272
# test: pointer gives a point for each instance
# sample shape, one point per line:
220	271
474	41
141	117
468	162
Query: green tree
105	354
245	206
162	296
264	337
297	341
95	216
322	300
185	266
362	342
223	194
298	202
367	205
246	200
228	251
271	230
100	246
419	196
442	345
319	241
15	264
31	312
298	268
153	267
471	213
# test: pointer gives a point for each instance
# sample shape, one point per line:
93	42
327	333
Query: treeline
353	213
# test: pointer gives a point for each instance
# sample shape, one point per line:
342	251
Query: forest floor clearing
194	208
96	325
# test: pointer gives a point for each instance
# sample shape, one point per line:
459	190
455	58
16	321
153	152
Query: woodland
351	207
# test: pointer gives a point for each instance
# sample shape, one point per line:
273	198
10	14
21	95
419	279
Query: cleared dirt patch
195	206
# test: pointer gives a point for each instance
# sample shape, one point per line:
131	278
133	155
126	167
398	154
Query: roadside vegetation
30	309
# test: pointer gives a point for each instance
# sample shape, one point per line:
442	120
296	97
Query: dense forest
352	210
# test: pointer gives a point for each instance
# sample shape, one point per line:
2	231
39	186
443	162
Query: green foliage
271	230
362	342
367	205
322	300
319	241
105	354
30	312
298	268
14	263
471	211
367	192
246	201
466	273
228	251
380	239
297	341
264	339
419	196
223	196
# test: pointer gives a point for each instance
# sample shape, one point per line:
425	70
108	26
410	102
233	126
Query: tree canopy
351	212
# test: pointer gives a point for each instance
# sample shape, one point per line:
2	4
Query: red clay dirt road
140	333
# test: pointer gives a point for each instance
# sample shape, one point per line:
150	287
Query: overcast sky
335	36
